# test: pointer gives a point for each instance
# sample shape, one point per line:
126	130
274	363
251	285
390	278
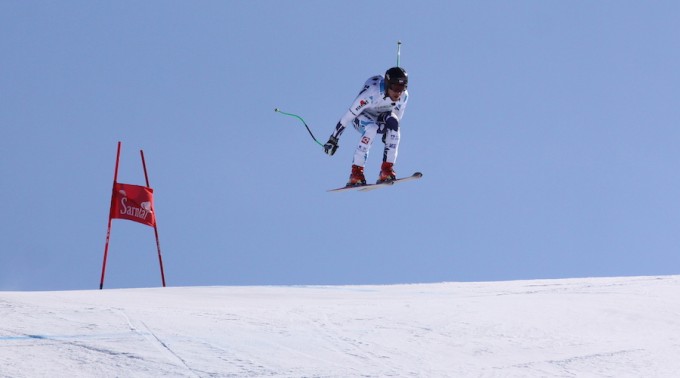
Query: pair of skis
369	187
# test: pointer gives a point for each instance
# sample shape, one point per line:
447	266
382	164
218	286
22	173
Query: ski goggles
397	87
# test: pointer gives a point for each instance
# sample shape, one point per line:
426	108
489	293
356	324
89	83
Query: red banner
133	202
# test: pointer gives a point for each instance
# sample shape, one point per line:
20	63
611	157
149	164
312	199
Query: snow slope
602	327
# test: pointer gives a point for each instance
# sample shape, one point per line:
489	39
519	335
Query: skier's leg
369	130
390	124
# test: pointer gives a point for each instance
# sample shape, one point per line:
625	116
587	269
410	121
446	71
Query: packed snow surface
595	327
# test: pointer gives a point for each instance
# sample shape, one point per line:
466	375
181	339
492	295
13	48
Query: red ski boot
356	178
387	173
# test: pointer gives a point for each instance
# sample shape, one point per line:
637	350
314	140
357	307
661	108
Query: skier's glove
331	146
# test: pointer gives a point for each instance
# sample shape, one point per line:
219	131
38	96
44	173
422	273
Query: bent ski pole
303	122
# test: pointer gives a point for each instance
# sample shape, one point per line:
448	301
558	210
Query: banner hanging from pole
133	202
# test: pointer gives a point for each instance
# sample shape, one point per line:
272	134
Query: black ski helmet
396	75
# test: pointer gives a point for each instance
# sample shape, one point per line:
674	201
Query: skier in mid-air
378	109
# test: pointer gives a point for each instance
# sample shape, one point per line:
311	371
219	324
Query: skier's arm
358	106
332	145
362	100
339	129
399	110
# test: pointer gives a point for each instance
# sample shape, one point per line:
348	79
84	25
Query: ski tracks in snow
154	340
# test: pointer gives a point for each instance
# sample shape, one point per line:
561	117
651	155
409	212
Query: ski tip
417	174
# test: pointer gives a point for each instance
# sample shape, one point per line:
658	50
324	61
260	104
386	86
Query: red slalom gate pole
108	230
155	226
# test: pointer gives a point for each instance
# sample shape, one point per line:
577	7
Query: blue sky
547	133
